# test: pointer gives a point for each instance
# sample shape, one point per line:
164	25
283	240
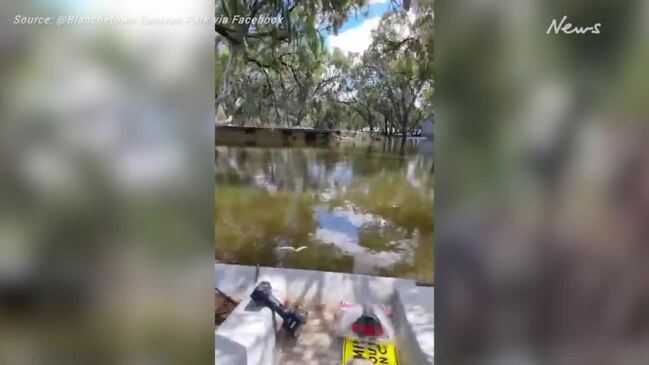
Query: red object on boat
367	326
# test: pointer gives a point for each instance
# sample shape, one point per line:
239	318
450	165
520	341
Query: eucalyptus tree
270	45
393	80
399	65
284	75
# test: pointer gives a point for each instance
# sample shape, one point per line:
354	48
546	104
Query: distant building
367	129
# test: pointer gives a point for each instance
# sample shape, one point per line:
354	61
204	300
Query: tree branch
227	33
224	90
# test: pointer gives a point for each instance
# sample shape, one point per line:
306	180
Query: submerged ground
364	210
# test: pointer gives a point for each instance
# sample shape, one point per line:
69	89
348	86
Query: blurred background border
106	185
542	185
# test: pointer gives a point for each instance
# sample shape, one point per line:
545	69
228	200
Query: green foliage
284	75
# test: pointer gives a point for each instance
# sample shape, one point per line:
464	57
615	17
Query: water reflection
356	210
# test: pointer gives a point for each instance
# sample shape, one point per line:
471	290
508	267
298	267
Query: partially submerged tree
282	74
396	73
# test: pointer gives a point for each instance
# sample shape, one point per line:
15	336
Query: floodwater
346	209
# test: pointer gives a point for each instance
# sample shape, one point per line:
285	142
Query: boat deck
250	336
317	344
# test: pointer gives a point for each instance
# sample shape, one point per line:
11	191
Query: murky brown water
361	210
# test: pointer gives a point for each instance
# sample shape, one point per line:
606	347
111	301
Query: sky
356	33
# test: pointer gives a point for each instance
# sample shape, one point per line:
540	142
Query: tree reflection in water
364	210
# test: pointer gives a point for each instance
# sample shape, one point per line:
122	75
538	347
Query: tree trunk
402	148
370	122
385	126
224	89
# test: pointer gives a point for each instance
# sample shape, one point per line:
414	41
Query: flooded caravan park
339	208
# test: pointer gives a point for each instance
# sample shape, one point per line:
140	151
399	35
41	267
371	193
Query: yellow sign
379	352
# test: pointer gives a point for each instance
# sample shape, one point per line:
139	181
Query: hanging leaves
286	76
